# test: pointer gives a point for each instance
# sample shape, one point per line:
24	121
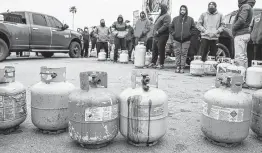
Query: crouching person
180	29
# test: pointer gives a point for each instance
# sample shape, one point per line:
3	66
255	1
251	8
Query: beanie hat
212	3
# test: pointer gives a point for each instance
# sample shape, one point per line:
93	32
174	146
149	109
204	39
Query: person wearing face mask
129	38
160	37
102	34
149	42
181	28
93	38
120	30
84	52
141	29
210	24
241	31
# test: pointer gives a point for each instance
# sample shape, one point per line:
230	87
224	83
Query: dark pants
149	44
120	43
129	46
206	46
84	52
100	45
159	45
93	42
258	52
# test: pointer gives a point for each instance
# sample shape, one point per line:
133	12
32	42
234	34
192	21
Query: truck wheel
74	49
4	51
47	54
222	51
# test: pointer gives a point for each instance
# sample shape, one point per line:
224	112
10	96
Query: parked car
24	32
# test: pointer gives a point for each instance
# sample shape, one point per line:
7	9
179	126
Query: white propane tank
148	58
140	55
197	66
221	67
102	55
93	53
254	75
123	57
210	66
236	70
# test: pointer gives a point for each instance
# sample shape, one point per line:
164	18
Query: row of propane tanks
252	76
139	55
94	115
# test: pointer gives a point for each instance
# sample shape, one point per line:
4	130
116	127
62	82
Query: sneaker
177	70
160	66
151	65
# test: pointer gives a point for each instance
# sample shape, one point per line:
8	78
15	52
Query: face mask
212	10
103	24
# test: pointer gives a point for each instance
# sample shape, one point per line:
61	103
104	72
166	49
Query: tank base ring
222	144
142	144
94	146
138	67
9	130
52	132
195	75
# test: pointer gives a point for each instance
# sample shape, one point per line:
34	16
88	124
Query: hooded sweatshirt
120	26
162	23
141	27
256	27
86	35
181	27
243	18
210	24
102	33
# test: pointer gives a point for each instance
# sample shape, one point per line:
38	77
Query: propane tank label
142	111
196	66
101	113
210	68
224	114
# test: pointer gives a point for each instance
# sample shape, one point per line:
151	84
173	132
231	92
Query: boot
178	70
160	67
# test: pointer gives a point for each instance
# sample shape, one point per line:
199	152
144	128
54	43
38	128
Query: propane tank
139	55
49	100
93	53
93	111
13	110
143	111
256	124
236	70
102	55
254	75
148	58
210	66
221	67
226	112
123	58
197	66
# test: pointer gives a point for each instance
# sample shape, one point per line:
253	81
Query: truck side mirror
65	27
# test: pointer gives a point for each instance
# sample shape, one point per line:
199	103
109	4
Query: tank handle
7	74
211	58
93	79
236	83
49	75
197	57
152	75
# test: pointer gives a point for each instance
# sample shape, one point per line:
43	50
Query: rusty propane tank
226	112
93	111
13	109
143	110
49	100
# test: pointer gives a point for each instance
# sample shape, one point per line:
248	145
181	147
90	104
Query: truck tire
47	54
224	49
4	51
74	49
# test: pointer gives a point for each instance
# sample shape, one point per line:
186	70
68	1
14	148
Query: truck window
39	19
57	23
51	21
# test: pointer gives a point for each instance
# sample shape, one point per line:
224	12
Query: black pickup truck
24	31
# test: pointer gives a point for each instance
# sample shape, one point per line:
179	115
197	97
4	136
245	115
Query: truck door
40	32
60	38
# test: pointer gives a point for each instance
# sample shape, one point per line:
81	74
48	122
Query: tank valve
145	81
94	81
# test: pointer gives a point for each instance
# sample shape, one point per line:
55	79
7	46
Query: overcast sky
91	11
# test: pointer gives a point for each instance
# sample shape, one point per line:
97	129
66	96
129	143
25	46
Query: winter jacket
102	34
130	33
119	27
92	36
141	28
181	27
150	33
162	23
256	27
211	25
243	18
86	36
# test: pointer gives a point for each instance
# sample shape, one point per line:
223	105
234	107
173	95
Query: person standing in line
84	52
120	30
210	24
141	29
241	31
256	36
129	38
160	34
149	42
102	35
93	38
181	28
